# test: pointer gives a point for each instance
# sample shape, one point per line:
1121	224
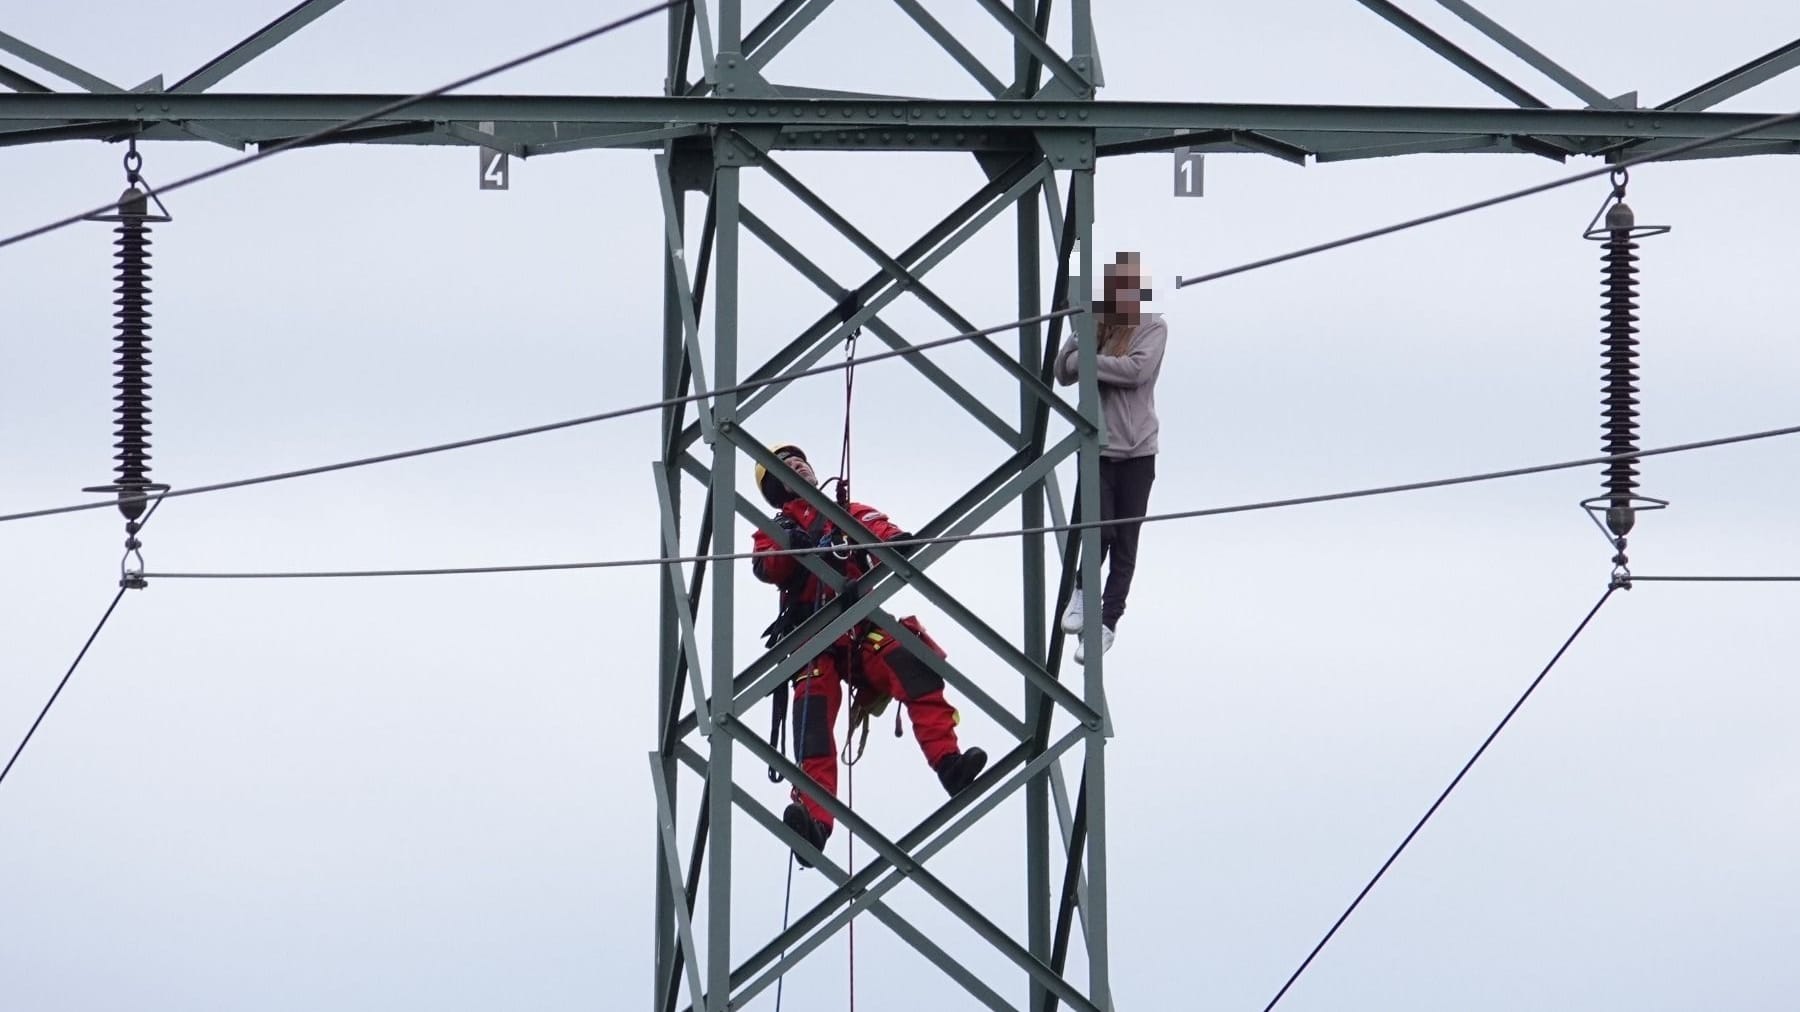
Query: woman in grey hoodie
1130	358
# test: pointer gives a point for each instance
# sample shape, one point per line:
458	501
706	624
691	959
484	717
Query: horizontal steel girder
544	124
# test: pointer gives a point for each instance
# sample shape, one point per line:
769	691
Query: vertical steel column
1081	184
668	637
1033	426
724	493
1033	422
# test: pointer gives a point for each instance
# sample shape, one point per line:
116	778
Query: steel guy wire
533	430
1210	511
1429	812
1529	191
374	114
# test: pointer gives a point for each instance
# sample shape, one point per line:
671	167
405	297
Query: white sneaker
1106	638
1072	616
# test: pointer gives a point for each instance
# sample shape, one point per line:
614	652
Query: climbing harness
1621	503
131	349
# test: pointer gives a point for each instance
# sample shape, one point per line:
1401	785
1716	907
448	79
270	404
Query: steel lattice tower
1038	138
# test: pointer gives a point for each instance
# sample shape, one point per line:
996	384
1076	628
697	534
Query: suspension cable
1429	812
534	430
991	535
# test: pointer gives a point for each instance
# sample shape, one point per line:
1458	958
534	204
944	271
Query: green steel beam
897	855
1024	35
1525	51
988	800
1469	65
866	900
867	123
19	82
855	886
824	282
874	294
913	283
261	41
789	30
61	68
1733	82
949	44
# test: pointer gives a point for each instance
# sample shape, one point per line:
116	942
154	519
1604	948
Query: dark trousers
1124	493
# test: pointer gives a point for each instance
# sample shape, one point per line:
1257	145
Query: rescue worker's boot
958	770
798	819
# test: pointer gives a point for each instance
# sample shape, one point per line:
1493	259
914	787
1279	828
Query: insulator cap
134	203
1620	520
1620	216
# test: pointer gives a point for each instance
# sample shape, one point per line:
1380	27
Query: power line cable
567	423
337	128
1495	733
65	681
1376	233
123	586
991	535
1715	579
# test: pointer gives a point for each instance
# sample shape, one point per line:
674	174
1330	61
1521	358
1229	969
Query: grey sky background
434	793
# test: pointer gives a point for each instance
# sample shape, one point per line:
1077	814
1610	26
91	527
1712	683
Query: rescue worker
1128	362
876	665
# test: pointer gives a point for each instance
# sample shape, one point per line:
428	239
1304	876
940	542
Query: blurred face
1127	287
799	466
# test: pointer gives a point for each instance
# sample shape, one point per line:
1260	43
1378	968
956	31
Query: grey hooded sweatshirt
1127	387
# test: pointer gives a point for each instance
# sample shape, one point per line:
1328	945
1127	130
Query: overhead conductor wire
1429	812
534	430
374	114
218	170
1529	191
1210	511
79	656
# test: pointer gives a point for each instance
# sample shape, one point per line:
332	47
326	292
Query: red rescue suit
877	662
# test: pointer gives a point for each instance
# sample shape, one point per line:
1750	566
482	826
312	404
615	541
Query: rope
850	860
567	423
1211	511
787	901
1385	865
843	498
1376	233
65	681
337	128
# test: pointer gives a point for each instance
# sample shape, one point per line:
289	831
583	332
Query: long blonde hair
1111	335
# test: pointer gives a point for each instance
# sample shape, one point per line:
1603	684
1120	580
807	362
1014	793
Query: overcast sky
384	794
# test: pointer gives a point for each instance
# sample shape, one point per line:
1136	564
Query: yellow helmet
777	492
